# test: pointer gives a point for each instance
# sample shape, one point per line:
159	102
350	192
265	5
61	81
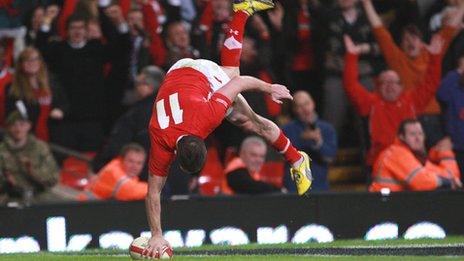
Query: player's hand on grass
280	92
155	244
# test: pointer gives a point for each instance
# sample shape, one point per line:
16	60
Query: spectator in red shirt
410	59
391	104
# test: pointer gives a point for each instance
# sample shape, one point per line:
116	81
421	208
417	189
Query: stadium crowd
83	75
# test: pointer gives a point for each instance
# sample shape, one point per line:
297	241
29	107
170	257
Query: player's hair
191	154
403	124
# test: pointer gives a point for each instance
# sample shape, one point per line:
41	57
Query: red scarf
44	98
5	79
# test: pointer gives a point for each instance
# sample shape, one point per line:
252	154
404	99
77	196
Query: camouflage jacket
29	167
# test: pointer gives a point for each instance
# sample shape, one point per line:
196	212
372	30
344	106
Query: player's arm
240	84
153	206
158	163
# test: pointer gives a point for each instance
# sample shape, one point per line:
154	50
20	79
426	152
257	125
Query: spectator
209	34
411	59
35	20
314	136
243	172
31	87
33	24
440	16
132	126
279	37
78	64
178	44
147	45
28	170
388	107
119	179
299	25
406	165
346	18
118	78
451	94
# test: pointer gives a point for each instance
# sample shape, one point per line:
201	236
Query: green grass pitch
96	254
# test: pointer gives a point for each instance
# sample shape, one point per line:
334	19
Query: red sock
230	53
285	147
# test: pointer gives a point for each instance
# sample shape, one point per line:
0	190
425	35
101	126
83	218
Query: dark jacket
81	71
321	156
130	127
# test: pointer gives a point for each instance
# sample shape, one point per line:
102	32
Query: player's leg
232	49
243	116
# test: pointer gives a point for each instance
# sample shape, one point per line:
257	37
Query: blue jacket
451	93
321	156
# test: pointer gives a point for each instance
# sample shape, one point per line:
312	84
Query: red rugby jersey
185	105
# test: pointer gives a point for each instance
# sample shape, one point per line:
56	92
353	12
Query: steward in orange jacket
243	173
399	168
119	179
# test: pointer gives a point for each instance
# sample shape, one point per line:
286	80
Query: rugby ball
138	245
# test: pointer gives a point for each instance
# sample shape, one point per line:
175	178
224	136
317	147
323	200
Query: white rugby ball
139	244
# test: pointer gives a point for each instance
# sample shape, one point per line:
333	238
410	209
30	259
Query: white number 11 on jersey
163	118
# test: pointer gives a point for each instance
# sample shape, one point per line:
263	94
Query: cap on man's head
15	116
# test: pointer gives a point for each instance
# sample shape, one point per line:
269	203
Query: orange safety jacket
113	183
398	169
235	164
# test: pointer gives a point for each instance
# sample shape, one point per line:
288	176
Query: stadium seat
273	173
75	172
212	175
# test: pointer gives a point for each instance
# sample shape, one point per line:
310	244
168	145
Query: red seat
75	172
273	172
212	175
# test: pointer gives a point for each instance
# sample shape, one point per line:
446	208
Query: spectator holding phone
313	136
